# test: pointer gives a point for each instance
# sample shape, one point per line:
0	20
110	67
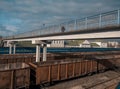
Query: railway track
88	81
106	84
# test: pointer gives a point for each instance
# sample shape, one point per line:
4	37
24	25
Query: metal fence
111	18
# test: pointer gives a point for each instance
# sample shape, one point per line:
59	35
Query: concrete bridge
101	26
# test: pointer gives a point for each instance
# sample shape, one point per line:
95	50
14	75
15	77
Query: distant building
94	45
104	45
101	44
85	44
57	43
113	44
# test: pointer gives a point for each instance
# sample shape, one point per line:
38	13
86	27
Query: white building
85	44
57	43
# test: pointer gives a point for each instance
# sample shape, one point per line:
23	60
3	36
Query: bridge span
97	33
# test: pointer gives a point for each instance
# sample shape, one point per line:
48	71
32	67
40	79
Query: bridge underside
95	35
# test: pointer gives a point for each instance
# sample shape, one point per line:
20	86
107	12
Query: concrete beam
37	42
83	36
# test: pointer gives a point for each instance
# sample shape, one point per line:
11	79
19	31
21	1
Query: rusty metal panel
15	60
83	67
54	72
3	61
80	70
102	65
91	66
27	60
14	75
42	74
94	66
10	60
70	70
5	80
77	68
62	71
19	60
86	67
22	78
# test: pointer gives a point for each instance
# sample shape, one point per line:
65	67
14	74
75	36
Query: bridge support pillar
38	53
10	48
44	52
38	45
14	48
11	45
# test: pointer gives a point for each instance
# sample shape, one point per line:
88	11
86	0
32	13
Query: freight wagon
16	58
19	75
47	72
14	76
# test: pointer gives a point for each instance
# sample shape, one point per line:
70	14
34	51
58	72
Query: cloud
26	15
7	30
3	33
11	28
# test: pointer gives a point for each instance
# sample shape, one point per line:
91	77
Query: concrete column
44	52
38	44
10	48
37	53
14	48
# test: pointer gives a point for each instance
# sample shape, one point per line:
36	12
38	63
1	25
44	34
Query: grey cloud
34	13
7	30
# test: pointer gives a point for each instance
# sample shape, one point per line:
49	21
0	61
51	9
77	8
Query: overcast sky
25	15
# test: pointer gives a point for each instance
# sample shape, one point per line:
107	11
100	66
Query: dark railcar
14	76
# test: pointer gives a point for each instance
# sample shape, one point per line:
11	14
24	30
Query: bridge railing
111	18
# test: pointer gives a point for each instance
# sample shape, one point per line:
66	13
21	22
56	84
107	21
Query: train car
47	72
61	70
26	58
14	76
